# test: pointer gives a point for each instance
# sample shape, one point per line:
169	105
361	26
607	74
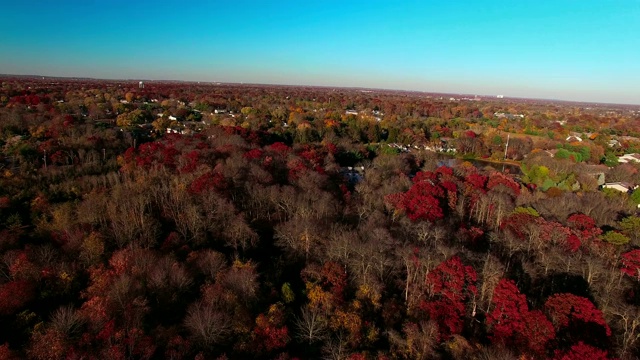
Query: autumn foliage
252	222
451	286
512	322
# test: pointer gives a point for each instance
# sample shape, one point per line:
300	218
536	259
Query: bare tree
67	320
335	348
311	326
418	341
207	325
242	279
299	236
210	263
169	275
492	272
497	352
627	318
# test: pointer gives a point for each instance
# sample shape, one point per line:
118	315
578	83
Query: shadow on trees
559	283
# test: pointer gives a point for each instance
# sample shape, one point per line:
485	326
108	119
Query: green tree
610	159
562	154
526	210
132	118
635	196
630	226
615	238
287	293
537	174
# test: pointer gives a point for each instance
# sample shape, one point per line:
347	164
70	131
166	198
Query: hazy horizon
578	51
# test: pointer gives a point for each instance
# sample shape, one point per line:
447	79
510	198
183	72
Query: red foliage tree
14	295
471	234
6	353
554	233
510	322
571	312
208	181
501	182
538	331
506	319
331	277
280	148
253	154
190	161
49	344
5	202
423	200
451	284
584	227
631	263
270	332
517	224
476	181
581	222
296	168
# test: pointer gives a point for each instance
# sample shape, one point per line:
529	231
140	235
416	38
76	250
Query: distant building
141	85
502	115
500	96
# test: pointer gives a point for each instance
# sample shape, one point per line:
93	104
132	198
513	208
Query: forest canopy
225	221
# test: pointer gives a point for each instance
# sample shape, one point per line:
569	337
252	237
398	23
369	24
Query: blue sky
563	49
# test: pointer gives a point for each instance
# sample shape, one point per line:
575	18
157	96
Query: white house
620	186
626	158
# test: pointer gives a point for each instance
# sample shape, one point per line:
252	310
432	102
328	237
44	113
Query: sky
585	50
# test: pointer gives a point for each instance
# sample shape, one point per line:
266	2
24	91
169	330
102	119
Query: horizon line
488	97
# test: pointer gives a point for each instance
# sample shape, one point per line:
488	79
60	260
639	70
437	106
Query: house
627	158
573	138
620	186
351	112
220	111
502	115
177	131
